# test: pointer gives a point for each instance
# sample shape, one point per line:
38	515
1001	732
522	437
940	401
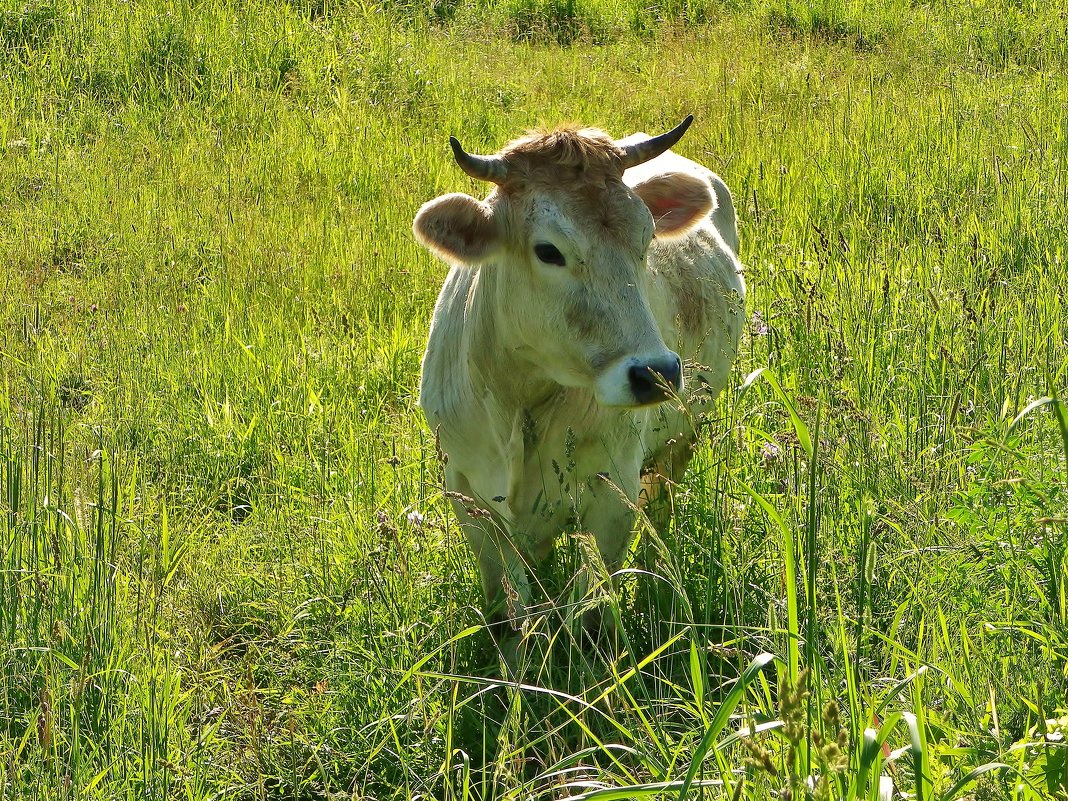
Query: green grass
227	566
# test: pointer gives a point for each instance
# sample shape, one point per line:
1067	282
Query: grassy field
227	567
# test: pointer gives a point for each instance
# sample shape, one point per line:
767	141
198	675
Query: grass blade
789	558
723	715
970	777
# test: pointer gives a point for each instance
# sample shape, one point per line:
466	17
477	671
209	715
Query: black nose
655	381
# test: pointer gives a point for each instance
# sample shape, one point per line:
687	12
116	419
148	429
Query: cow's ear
457	228
678	201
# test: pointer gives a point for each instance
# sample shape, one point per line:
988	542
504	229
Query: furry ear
677	200
457	228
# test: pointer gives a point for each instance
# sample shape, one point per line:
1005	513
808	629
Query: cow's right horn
484	168
641	152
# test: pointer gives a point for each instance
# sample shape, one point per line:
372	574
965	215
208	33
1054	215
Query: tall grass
229	570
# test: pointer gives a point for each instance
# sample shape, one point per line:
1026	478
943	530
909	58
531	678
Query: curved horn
484	168
641	152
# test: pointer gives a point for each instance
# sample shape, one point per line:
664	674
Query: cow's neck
516	384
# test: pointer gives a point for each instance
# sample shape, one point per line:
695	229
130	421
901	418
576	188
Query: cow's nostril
642	383
655	381
672	373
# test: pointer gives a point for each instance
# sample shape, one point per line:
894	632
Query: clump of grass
30	27
72	250
828	20
101	82
415	12
74	392
808	759
286	73
560	22
314	9
74	674
170	64
1008	38
392	78
647	18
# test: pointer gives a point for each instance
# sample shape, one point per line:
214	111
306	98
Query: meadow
228	569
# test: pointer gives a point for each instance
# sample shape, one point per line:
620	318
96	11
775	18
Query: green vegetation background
227	570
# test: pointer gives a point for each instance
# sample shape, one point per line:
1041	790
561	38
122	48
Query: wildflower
1056	728
385	525
416	518
758	325
770	452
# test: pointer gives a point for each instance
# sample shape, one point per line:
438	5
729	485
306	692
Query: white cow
593	309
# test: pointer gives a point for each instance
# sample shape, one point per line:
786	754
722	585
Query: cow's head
570	239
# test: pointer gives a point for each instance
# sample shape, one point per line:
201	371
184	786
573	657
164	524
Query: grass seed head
760	758
792	700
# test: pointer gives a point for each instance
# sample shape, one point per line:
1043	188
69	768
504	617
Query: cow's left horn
641	152
484	168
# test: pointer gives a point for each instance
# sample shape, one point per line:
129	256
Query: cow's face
571	292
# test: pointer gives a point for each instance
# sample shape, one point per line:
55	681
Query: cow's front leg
502	568
608	513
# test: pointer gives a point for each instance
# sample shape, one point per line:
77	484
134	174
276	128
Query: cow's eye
548	254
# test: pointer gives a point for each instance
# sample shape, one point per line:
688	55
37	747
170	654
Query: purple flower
415	518
770	451
758	326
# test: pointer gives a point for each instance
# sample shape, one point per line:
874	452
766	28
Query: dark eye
549	254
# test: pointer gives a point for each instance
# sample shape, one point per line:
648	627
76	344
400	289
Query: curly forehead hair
589	152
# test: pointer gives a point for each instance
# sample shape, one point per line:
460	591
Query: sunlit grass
228	570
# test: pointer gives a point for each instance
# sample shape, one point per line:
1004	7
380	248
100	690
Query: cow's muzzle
656	380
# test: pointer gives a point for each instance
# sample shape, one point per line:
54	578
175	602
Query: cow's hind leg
658	596
660	474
